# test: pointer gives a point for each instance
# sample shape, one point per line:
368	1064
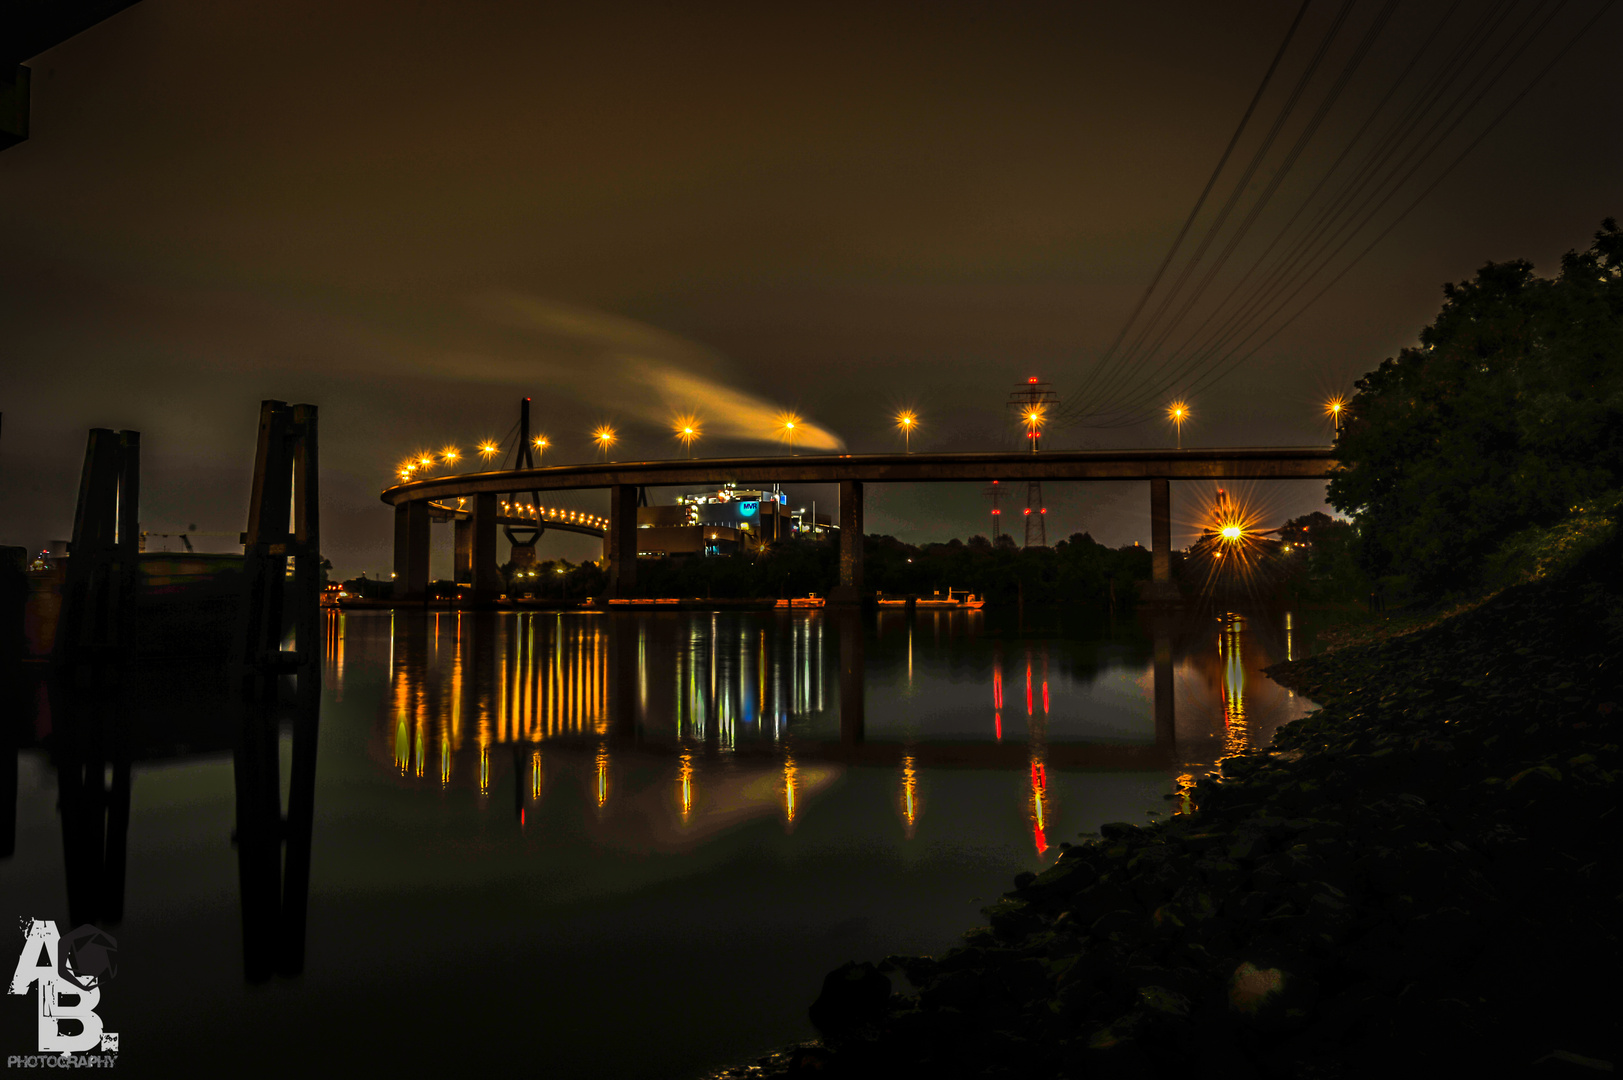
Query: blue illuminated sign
747	509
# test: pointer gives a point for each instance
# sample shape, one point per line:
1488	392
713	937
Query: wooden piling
285	485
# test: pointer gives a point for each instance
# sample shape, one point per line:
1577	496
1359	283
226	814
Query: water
631	845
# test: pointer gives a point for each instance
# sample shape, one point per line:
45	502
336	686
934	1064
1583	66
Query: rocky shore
1417	879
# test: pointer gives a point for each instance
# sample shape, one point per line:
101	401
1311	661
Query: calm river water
629	845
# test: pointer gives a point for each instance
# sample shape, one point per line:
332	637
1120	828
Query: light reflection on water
700	699
708	813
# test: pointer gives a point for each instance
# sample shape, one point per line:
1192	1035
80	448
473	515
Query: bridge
414	500
509	515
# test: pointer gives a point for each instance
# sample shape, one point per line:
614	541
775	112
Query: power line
1303	139
1351	211
1324	230
1200	202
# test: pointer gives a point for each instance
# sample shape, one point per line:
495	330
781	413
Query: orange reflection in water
684	774
1236	736
791	781
1039	800
1038	728
910	793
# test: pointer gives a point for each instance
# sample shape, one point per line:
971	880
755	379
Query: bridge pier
1162	589
849	590
487	576
411	547
620	542
462	565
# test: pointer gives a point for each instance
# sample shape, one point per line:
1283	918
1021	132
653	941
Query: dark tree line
1074	571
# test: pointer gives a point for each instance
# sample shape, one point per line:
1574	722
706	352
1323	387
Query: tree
1507	415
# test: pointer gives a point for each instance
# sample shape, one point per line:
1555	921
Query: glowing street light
450	454
906	420
1033	419
488	449
605	438
1178	412
1334	408
788	427
687	429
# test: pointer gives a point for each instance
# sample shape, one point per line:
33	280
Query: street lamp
1033	419
605	438
488	449
788	427
1334	407
687	429
541	445
1178	412
906	420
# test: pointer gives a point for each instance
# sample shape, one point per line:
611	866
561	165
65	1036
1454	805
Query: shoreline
1417	876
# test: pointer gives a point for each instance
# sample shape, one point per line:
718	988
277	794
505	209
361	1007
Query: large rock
854	997
1271	998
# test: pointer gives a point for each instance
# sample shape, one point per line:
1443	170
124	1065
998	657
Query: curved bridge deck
490	491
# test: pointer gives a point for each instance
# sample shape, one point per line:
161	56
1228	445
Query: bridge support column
620	542
411	548
849	590
487	576
1162	589
462	565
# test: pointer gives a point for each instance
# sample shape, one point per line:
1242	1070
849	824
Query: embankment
1417	879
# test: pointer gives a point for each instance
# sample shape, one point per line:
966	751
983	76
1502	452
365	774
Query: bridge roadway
411	500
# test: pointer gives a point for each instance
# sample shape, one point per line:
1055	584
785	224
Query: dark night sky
413	215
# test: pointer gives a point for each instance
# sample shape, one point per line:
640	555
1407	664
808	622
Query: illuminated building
721	522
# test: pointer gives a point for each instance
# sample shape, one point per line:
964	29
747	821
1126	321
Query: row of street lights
1178	413
688	429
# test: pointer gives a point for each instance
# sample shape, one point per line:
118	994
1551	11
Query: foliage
1077	570
1537	552
555	579
1508	414
1319	557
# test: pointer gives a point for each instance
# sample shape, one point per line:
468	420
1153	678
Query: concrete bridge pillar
462	566
620	542
1162	589
849	590
411	549
487	576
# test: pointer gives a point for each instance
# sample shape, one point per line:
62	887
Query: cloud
635	354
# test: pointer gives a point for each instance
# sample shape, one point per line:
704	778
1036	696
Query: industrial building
724	521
